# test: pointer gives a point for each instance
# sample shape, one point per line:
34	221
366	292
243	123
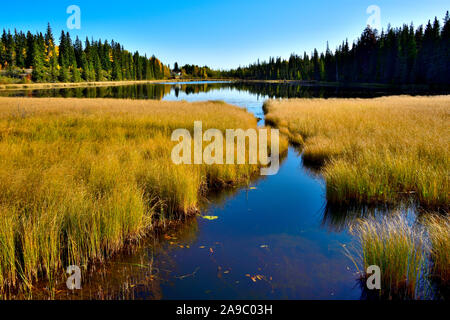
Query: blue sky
221	34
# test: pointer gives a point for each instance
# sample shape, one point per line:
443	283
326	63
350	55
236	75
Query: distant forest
73	61
405	55
396	56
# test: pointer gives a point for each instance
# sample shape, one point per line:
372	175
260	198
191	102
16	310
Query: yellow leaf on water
253	188
210	217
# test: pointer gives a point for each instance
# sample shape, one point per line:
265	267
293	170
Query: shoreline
307	83
64	85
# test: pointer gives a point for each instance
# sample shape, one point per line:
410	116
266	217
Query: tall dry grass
373	150
414	257
398	248
439	233
79	178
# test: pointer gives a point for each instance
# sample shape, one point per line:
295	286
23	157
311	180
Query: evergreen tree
51	57
38	74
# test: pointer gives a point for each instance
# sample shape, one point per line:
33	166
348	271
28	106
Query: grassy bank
79	178
61	85
373	150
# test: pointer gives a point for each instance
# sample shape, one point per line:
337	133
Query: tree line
404	55
74	61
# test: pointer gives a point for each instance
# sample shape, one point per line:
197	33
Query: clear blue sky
221	34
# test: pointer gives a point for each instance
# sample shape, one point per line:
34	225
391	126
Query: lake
276	239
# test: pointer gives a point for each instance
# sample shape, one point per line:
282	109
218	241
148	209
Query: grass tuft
397	248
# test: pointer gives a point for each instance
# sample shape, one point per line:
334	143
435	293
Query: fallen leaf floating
253	188
210	217
256	277
264	246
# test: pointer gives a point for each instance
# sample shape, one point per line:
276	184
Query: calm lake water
274	240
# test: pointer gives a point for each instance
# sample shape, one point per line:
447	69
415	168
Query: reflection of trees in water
260	89
141	91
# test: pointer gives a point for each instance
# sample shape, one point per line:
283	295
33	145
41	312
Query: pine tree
2	53
51	55
38	74
445	51
20	49
9	52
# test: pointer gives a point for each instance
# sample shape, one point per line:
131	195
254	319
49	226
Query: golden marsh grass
79	178
397	248
439	233
411	255
373	150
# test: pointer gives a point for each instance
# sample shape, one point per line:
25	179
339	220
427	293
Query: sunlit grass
80	178
413	258
397	248
373	150
439	234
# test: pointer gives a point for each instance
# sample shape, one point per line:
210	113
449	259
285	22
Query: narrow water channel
273	240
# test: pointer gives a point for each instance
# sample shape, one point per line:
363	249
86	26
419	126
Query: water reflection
258	89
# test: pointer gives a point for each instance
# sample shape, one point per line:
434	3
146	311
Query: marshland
79	178
90	182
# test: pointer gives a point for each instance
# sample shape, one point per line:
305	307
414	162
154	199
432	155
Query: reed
80	178
439	234
398	249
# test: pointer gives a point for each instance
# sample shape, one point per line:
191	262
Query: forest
73	61
404	55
